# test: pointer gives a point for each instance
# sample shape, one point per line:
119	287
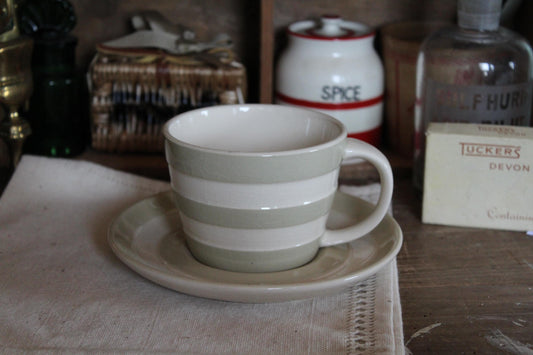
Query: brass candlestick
15	80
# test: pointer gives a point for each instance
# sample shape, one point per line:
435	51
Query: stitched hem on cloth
360	319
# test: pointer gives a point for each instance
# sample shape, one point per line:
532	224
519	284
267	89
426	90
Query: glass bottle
55	114
57	111
476	72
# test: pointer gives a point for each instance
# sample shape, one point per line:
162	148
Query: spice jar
331	66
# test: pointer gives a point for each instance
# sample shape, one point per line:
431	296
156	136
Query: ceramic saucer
148	238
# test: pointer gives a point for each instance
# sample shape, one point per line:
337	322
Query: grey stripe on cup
253	219
253	261
258	169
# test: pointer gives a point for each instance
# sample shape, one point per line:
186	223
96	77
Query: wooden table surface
463	290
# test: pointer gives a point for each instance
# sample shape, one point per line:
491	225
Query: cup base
252	261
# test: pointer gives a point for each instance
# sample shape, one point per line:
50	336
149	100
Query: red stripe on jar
330	106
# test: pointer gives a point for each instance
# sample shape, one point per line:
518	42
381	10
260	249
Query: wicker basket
133	93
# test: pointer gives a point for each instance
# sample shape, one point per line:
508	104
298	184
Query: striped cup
254	183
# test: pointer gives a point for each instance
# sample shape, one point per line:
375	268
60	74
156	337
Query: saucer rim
249	293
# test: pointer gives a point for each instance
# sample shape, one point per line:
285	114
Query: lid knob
331	26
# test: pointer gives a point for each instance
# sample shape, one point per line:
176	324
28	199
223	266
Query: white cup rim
316	147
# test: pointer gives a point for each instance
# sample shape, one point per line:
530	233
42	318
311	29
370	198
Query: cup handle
359	149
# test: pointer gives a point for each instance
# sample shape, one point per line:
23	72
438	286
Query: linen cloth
62	290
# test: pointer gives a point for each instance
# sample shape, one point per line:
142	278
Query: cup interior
254	128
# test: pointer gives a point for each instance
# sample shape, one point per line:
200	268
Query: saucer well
147	237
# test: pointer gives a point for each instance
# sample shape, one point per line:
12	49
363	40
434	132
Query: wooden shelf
148	165
155	166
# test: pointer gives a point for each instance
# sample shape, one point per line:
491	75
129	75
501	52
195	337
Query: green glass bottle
57	108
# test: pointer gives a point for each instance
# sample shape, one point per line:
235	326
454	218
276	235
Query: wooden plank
463	290
267	51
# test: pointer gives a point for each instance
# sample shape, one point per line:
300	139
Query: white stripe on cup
254	196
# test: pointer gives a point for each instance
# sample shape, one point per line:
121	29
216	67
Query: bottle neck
479	15
54	54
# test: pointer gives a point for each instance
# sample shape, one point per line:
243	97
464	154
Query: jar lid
330	27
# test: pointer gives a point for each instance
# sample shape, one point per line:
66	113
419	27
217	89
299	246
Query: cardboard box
479	176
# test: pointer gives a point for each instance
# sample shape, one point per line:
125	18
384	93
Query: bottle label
501	104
